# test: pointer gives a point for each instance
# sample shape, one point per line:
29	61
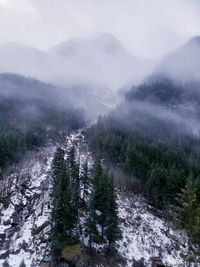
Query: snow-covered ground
25	220
145	235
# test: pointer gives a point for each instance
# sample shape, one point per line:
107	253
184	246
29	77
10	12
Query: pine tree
102	223
64	215
58	161
91	224
69	210
95	207
187	212
112	231
74	177
85	180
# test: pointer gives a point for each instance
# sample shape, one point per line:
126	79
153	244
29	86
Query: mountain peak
100	40
103	37
184	63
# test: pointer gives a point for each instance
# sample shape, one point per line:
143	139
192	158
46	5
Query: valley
99	133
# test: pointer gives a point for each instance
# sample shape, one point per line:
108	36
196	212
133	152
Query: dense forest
28	120
88	194
160	155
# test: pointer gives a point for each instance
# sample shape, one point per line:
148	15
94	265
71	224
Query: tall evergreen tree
58	161
102	223
85	179
74	177
187	212
94	206
64	215
112	231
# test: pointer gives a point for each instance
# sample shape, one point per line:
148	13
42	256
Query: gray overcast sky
148	28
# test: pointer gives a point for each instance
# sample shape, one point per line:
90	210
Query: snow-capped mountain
184	63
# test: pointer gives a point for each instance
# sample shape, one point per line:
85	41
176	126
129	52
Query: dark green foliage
112	231
166	91
146	138
187	212
14	142
64	216
161	157
31	113
85	180
58	162
102	225
74	177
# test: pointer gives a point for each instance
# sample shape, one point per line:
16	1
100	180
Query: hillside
145	234
28	119
182	64
99	60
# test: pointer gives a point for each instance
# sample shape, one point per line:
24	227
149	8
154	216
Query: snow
35	203
145	235
33	212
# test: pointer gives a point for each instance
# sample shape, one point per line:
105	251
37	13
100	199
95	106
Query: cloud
148	28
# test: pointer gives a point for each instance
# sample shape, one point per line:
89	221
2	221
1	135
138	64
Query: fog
147	28
99	60
111	43
185	120
91	50
183	64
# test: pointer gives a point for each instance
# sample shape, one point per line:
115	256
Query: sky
147	28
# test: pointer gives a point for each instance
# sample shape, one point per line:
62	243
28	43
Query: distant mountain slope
166	100
102	59
184	63
166	92
31	113
22	59
99	59
13	85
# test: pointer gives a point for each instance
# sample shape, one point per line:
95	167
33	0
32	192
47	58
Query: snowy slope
25	224
145	235
25	221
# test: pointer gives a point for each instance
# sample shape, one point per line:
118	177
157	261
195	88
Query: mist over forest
99	133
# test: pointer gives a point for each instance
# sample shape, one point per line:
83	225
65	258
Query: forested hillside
31	112
156	148
84	210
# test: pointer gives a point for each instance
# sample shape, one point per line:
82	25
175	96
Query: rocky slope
26	207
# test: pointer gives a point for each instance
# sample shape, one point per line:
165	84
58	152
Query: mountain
104	42
31	112
22	59
184	63
99	59
166	92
